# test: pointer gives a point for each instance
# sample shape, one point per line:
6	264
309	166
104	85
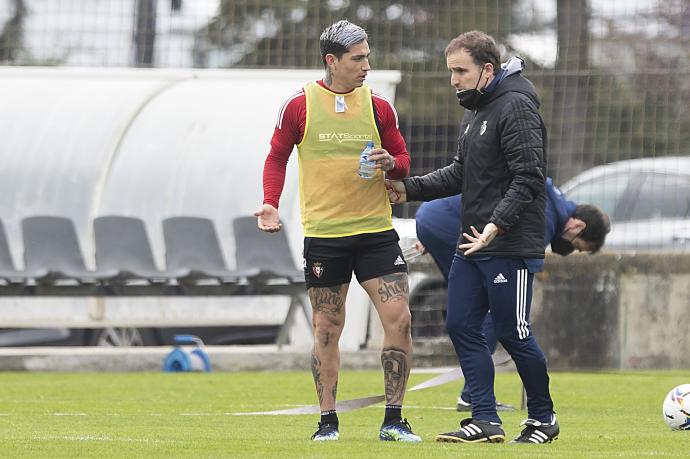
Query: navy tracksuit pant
504	286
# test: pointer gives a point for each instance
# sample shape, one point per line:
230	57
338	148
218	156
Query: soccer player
346	218
569	227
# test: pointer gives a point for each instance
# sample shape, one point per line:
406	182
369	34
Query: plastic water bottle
367	168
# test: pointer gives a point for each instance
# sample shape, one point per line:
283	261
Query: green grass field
190	415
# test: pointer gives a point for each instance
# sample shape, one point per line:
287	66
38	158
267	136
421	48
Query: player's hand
479	240
384	160
420	247
268	219
396	191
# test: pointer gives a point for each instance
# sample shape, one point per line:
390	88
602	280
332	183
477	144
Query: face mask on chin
562	246
469	98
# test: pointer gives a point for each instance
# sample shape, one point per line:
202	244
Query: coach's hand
396	191
268	219
479	240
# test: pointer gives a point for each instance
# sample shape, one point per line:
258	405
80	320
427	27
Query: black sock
393	413
329	417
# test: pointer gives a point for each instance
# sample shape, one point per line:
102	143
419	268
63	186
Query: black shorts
331	261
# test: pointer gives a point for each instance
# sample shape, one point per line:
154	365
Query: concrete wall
614	311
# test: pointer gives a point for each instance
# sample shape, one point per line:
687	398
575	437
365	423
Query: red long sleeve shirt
290	129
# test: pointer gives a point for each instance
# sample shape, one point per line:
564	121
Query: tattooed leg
393	288
390	295
328	319
395	373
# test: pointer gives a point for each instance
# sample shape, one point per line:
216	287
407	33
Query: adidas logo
500	279
398	261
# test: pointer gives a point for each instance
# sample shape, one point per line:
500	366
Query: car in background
647	200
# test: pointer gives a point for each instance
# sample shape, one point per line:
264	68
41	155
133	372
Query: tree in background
408	35
645	92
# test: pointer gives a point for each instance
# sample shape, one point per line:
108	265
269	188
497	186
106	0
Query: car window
662	196
604	192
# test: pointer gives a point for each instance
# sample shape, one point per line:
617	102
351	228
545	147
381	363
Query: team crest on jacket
317	269
482	129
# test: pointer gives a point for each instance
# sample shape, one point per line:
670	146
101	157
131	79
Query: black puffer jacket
500	168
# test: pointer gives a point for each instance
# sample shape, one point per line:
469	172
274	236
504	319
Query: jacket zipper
467	131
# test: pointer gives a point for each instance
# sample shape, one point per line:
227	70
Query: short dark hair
481	47
598	225
337	38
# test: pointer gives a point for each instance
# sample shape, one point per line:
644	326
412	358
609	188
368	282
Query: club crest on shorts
317	269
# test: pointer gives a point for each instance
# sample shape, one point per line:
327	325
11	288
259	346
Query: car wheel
121	336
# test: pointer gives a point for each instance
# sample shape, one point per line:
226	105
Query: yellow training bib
334	200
